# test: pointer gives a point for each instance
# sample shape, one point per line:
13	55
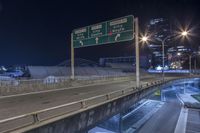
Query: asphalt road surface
165	119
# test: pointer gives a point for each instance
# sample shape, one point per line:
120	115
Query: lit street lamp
184	33
145	39
163	53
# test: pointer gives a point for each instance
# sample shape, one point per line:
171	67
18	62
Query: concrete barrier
50	113
59	110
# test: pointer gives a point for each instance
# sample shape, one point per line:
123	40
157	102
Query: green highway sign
97	30
116	30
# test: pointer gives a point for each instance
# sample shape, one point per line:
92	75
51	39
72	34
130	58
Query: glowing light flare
178	54
144	38
184	33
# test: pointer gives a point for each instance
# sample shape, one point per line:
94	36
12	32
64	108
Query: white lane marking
182	121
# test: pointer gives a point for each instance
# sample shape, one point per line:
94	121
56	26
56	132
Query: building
176	53
158	28
127	63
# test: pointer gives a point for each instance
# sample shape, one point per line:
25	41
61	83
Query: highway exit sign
116	30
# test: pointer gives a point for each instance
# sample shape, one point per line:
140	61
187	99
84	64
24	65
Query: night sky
37	32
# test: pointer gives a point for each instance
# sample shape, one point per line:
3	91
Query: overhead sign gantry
116	30
112	31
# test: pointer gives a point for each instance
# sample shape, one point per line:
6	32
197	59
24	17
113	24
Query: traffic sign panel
81	33
116	30
97	30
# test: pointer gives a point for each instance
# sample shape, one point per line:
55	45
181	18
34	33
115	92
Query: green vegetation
197	97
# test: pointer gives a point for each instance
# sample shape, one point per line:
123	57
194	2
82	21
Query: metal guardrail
9	82
55	80
34	85
34	118
25	120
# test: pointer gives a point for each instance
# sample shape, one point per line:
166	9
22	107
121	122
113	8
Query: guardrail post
35	118
123	92
138	88
108	96
83	104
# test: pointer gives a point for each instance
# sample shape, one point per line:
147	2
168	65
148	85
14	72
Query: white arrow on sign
97	40
81	42
117	36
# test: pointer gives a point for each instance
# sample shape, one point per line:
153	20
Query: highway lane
18	105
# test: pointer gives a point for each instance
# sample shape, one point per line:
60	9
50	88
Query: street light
145	39
163	53
184	33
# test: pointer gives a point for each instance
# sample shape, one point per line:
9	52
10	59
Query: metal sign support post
72	57
137	52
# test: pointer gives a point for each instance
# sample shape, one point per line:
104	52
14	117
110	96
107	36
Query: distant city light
158	68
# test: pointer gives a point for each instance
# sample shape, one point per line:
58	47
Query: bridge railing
62	111
35	85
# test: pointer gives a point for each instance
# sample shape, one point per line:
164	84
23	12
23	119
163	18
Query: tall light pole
163	53
137	52
184	34
145	39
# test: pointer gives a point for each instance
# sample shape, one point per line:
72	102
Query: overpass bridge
72	110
